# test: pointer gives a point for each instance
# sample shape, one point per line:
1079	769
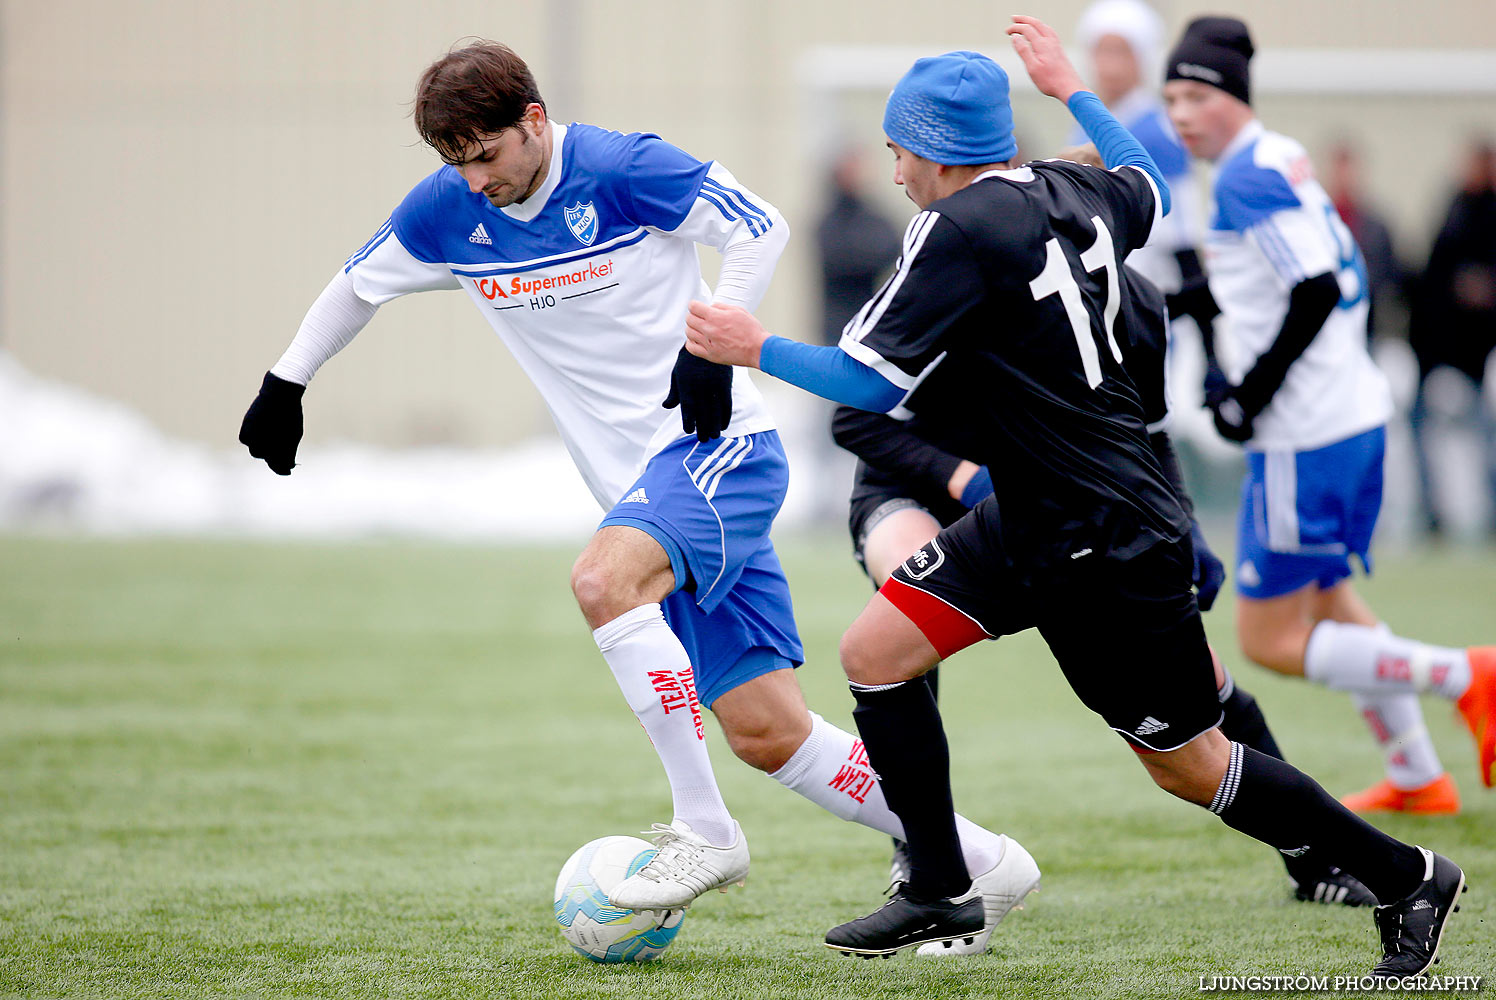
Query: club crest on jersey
581	219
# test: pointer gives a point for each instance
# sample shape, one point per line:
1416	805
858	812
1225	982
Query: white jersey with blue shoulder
1272	227
587	282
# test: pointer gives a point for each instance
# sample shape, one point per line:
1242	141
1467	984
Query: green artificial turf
354	771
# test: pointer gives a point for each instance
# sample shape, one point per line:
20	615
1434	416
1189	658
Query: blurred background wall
179	179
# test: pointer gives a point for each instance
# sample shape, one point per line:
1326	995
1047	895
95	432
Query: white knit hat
1133	21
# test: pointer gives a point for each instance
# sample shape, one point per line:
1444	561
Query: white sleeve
747	230
384	269
1296	243
330	324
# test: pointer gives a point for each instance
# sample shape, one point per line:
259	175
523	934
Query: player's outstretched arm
272	426
730	335
726	334
1044	57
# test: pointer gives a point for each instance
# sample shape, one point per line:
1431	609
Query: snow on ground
72	462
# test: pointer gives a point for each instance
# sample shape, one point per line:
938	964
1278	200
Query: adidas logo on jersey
480	235
636	497
1150	726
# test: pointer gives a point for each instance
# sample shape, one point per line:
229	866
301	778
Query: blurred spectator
1454	313
857	244
1385	275
1121	41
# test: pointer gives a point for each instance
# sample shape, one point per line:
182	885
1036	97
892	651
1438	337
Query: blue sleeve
412	219
1246	194
662	181
830	372
978	489
1117	146
1157	137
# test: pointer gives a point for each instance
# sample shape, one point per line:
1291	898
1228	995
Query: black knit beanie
1214	50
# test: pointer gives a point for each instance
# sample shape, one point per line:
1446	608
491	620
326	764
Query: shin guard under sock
1276	803
900	727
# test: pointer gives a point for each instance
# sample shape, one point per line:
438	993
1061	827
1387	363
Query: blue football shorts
1305	513
710	506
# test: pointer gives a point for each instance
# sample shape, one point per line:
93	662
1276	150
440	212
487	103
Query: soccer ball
593	927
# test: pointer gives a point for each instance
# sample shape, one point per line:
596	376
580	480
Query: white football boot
684	867
1003	888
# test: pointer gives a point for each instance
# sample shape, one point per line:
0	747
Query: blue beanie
953	109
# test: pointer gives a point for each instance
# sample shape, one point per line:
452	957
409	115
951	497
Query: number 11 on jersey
1057	278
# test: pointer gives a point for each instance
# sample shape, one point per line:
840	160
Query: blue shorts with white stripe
710	506
1305	513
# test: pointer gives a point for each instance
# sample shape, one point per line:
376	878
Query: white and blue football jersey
1273	226
587	282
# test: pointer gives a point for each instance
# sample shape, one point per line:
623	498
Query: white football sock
831	769
1371	660
1396	720
654	673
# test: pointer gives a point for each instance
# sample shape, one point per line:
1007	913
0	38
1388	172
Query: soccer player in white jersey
1308	404
579	246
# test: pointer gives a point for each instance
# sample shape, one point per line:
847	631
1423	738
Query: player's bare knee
599	593
858	659
1279	652
764	751
763	743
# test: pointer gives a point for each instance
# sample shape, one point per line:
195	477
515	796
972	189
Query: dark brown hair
477	90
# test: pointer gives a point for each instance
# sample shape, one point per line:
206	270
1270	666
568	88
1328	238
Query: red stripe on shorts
948	630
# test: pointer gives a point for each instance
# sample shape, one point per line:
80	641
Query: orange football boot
1437	798
1478	706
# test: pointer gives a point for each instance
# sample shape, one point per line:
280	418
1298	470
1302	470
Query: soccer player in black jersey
1012	271
911	481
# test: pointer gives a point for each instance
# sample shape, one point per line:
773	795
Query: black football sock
1244	723
1280	805
900	728
932	678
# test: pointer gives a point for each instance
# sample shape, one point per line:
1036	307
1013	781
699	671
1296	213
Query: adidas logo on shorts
1150	726
636	497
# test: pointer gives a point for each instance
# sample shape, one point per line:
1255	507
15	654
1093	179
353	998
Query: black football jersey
1016	283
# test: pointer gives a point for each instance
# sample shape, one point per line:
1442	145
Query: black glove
703	391
1233	420
272	424
1209	573
1217	385
1195	301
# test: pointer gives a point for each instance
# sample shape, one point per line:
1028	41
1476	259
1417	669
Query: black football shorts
1126	632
